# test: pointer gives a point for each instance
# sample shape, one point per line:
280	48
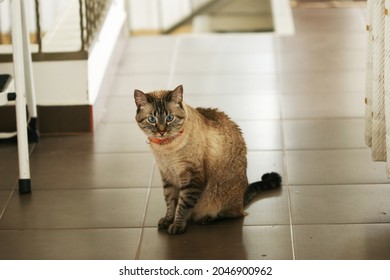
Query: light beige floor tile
61	209
222	63
343	60
227	43
332	105
328	21
324	134
264	162
342	242
245	107
262	135
151	44
317	42
340	82
146	63
340	204
74	244
223	84
120	109
124	85
269	208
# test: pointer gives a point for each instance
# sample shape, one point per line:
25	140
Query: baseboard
53	119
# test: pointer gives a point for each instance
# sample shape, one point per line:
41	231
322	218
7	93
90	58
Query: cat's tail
268	181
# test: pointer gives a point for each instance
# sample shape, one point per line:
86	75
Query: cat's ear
140	98
177	94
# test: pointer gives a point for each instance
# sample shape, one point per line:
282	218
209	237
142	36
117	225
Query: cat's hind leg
209	219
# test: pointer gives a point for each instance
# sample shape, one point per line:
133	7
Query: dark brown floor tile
349	204
8	174
91	170
342	242
75	209
9	171
91	244
213	243
120	138
64	144
329	167
4	195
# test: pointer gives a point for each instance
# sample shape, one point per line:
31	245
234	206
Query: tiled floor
299	101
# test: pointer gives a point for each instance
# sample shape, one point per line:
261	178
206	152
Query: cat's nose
162	133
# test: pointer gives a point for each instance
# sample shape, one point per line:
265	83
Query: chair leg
21	116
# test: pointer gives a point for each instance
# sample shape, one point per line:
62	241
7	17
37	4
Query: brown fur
203	169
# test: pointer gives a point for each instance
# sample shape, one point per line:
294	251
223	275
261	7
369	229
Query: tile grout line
141	234
172	68
284	150
169	84
15	185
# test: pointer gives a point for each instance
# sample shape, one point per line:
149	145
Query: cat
201	156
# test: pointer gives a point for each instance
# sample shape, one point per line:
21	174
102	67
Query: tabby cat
201	155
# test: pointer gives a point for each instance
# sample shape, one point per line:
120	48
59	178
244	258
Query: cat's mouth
161	134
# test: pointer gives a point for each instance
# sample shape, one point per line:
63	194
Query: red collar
164	141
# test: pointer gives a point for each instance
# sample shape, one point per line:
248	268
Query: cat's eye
152	119
169	118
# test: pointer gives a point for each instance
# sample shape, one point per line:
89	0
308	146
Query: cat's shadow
225	239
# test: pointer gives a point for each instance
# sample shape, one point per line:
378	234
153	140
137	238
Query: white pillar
378	117
369	85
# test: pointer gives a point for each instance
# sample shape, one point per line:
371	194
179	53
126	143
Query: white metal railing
72	30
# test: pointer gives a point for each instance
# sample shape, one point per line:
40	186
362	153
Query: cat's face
160	114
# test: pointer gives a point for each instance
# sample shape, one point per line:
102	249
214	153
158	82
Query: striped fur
203	167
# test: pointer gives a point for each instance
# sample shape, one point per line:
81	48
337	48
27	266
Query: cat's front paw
164	223
176	228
